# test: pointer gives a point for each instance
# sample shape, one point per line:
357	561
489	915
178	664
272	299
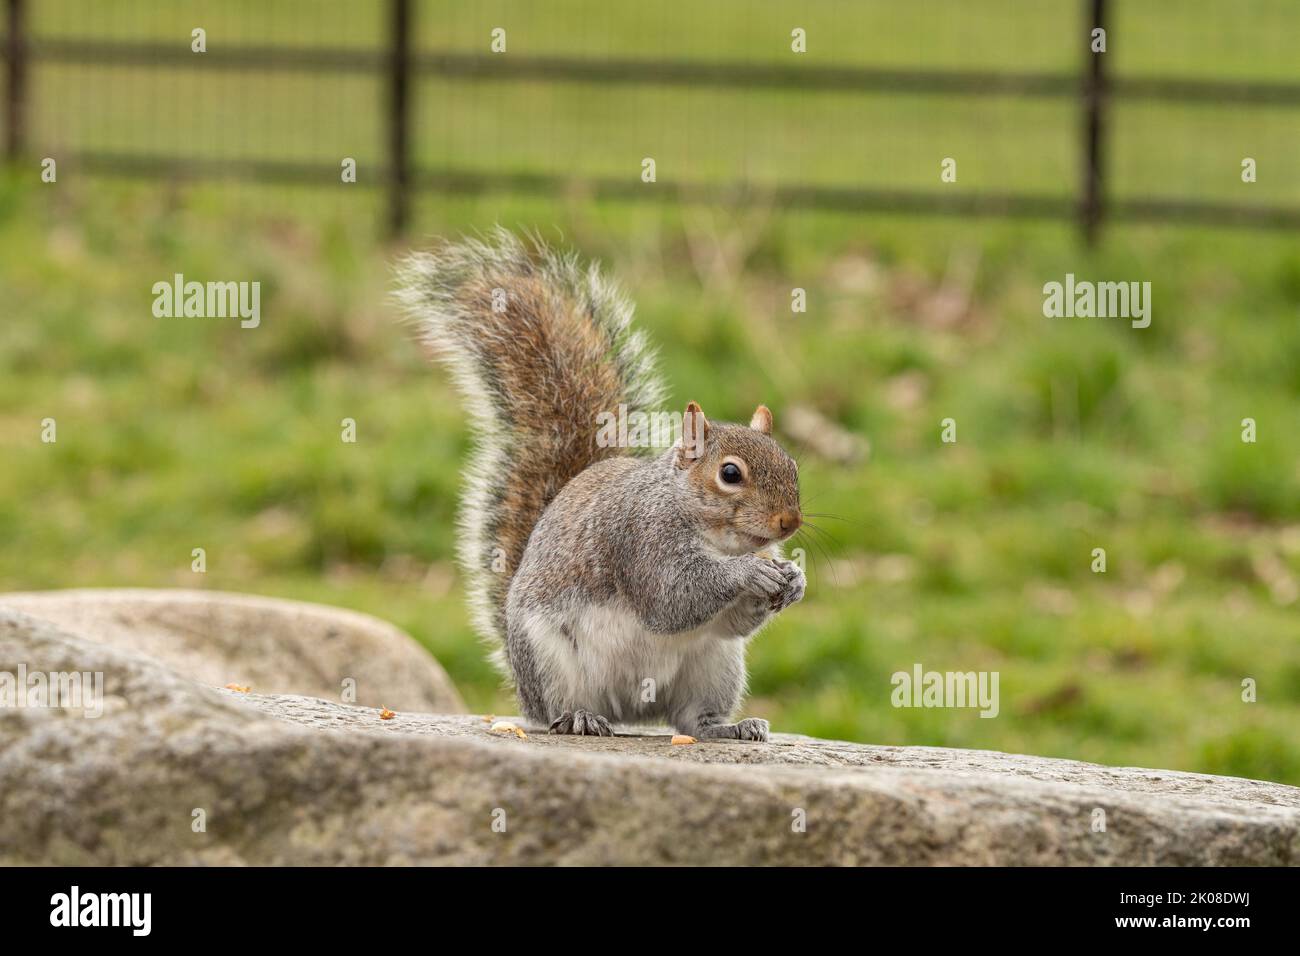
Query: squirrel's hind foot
582	723
751	728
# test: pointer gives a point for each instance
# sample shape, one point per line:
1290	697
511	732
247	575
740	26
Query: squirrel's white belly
602	660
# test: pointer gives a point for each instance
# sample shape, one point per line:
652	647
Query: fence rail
398	64
648	72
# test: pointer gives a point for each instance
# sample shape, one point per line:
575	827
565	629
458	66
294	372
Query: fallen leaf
238	687
386	714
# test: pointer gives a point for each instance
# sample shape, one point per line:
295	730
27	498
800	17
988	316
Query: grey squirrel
617	587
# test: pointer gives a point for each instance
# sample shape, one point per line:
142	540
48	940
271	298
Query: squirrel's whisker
825	556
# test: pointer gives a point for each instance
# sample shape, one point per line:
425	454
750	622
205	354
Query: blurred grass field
1072	434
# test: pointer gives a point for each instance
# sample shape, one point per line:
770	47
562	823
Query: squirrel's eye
731	474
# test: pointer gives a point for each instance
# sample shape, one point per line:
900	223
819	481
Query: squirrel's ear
695	429
762	420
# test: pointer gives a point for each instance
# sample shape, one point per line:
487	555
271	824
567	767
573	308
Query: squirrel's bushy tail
538	346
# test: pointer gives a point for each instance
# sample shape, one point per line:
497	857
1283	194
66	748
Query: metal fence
1093	88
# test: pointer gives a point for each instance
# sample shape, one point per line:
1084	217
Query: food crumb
682	739
386	714
505	727
241	688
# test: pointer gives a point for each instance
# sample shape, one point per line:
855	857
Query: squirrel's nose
789	521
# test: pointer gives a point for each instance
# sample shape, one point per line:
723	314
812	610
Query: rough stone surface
271	645
290	779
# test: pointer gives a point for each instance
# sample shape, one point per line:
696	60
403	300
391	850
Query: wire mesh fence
864	109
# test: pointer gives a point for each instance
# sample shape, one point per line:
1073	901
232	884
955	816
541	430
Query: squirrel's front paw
794	585
582	723
764	578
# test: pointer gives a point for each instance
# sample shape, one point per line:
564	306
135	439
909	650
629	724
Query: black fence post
399	98
16	80
1092	199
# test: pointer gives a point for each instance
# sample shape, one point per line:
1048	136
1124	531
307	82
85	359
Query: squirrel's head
745	486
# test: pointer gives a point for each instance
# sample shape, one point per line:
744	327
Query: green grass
1072	434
